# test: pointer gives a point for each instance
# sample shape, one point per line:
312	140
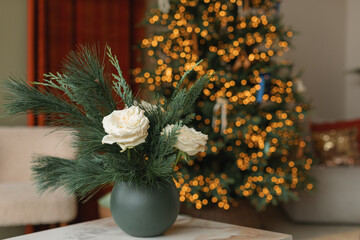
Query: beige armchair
20	204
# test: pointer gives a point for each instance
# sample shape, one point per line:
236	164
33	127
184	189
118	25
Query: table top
184	228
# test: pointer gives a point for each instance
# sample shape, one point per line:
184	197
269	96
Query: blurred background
37	34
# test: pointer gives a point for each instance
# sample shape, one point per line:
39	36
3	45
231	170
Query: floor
275	220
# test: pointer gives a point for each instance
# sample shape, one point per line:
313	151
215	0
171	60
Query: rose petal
123	147
134	142
108	139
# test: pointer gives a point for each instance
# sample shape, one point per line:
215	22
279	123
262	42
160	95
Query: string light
241	47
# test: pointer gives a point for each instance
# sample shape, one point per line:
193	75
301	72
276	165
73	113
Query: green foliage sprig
78	99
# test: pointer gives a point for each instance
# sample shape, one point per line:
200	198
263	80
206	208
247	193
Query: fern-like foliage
78	99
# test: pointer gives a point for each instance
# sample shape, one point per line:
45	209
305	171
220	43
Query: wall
12	47
320	51
12	61
352	60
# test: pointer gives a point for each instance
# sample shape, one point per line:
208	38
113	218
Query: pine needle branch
85	76
181	82
121	87
23	98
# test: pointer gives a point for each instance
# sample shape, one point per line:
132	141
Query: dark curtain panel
57	26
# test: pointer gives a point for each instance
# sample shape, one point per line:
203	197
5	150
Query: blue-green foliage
77	99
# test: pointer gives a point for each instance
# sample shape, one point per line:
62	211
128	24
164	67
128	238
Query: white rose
127	127
189	140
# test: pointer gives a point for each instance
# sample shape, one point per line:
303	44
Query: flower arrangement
117	137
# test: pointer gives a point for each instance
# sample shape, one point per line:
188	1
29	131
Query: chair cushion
19	146
20	204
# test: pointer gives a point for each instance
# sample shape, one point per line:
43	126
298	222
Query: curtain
56	27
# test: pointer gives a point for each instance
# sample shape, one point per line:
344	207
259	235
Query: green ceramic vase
144	212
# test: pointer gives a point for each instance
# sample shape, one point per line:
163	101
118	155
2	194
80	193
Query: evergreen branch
121	87
89	141
163	156
82	177
165	144
182	100
84	75
195	91
23	98
180	83
176	107
51	173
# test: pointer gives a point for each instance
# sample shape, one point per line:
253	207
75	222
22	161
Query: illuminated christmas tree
253	109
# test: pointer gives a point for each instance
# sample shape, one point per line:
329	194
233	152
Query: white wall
12	47
320	51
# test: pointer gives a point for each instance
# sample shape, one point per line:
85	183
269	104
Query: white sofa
335	200
20	203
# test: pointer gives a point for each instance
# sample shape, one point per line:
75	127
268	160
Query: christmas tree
253	109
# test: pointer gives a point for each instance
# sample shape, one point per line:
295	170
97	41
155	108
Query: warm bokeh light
259	151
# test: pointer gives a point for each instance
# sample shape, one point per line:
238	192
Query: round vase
144	212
